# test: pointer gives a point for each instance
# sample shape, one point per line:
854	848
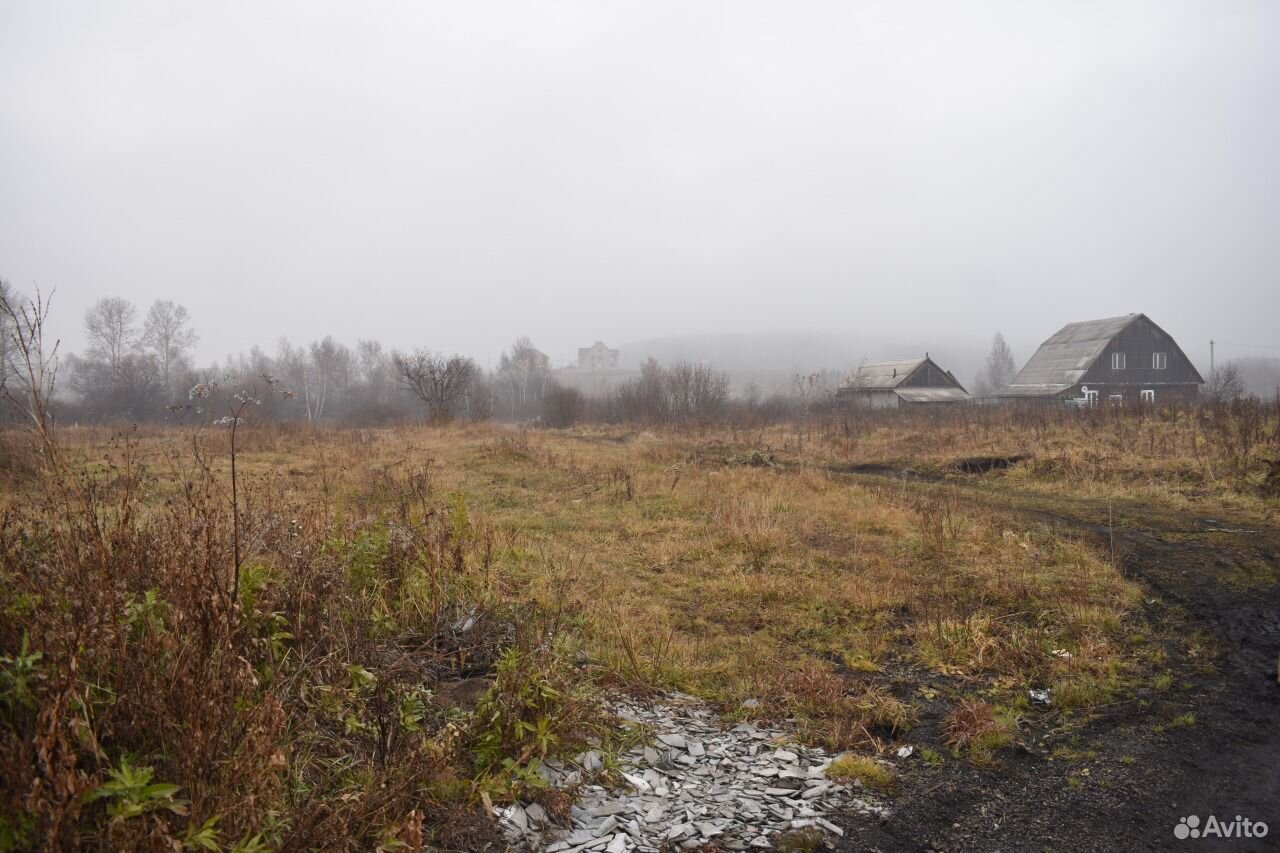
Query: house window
1117	361
1148	395
1159	360
1090	397
1116	399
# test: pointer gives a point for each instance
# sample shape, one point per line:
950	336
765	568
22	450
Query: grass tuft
860	768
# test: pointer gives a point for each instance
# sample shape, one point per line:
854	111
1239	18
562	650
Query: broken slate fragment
696	784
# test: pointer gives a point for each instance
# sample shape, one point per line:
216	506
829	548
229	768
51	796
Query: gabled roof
883	375
1062	360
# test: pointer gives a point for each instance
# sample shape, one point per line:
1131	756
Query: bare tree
166	333
523	374
34	360
111	326
643	399
999	370
131	390
681	393
371	361
331	368
10	302
439	382
1000	366
710	392
562	406
1226	383
695	391
294	366
814	389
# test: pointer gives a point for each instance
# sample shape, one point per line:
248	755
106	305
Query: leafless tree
562	406
299	370
331	368
643	399
372	362
440	383
695	392
112	330
813	389
168	336
35	362
683	392
710	391
1226	383
523	373
10	302
999	370
131	390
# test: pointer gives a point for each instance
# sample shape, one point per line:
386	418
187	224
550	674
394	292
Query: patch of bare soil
985	464
1123	778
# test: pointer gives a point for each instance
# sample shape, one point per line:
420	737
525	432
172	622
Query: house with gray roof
899	384
1118	360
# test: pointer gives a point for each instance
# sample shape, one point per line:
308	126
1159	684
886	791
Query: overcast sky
455	175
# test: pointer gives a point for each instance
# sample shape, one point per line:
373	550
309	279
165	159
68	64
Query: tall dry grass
147	704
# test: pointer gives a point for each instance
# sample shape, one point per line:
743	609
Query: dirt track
1205	575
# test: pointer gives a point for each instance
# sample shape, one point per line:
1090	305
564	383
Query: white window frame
1115	399
1147	395
1159	361
1117	361
1091	397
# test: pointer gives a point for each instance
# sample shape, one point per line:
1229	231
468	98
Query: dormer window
1117	361
1159	360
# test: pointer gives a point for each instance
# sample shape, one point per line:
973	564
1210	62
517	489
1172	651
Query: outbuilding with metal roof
909	382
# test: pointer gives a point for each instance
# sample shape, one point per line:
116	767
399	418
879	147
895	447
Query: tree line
138	366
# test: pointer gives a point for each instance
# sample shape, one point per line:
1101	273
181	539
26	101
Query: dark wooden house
1118	360
894	384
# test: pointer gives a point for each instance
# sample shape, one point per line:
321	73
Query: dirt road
1128	777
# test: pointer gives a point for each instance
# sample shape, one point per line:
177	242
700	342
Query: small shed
899	384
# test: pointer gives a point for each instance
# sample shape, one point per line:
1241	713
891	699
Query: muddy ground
1128	777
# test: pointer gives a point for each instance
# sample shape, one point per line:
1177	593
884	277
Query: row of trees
139	367
131	361
682	393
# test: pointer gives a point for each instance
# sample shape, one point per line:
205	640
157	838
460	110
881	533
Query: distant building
535	361
1117	360
597	357
894	384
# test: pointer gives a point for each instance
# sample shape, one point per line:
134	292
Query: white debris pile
695	784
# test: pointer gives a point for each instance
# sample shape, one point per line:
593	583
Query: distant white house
597	357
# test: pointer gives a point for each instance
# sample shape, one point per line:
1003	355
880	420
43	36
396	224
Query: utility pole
1210	358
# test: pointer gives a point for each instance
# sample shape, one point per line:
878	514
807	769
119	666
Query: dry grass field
420	615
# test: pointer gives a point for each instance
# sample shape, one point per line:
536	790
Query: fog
872	177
